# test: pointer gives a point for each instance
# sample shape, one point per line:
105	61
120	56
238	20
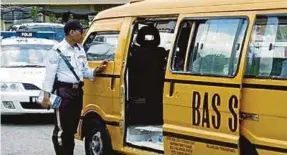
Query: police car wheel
97	141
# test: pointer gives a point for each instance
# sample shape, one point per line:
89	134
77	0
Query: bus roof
174	7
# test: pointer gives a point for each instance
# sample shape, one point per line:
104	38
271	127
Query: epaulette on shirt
55	47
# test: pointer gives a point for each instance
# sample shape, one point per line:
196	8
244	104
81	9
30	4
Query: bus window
101	46
215	46
181	46
166	32
267	56
165	28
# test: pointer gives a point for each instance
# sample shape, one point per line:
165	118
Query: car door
107	40
102	43
203	84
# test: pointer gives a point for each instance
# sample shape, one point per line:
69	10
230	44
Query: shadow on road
28	119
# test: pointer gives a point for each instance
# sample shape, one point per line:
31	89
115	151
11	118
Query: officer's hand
102	67
46	103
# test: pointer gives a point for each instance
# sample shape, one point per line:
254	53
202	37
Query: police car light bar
28	34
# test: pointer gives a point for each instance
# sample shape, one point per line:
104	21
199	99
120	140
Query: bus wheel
97	140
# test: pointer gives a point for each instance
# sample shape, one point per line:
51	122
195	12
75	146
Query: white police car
22	72
54	27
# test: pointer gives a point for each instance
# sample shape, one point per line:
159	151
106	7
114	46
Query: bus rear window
267	55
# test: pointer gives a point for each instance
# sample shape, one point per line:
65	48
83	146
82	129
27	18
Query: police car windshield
27	55
60	34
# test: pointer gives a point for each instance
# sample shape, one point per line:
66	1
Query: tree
52	17
35	13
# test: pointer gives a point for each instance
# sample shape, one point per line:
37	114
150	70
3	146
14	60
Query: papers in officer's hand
54	99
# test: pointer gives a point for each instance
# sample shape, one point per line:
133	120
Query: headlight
11	87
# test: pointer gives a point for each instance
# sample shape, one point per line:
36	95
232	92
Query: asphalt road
30	135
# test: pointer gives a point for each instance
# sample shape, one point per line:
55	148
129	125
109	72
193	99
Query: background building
58	11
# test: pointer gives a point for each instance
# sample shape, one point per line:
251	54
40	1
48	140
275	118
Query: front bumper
21	103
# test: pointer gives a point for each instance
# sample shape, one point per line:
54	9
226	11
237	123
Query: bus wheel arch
97	138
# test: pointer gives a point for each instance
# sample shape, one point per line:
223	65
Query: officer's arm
52	63
88	72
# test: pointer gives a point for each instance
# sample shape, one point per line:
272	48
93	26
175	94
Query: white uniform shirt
55	65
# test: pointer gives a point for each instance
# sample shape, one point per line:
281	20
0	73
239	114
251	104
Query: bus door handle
249	116
112	83
171	88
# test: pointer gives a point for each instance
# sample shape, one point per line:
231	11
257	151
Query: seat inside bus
146	78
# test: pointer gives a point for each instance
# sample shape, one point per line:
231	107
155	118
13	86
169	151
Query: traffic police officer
67	86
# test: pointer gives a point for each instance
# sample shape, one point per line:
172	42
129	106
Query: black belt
70	85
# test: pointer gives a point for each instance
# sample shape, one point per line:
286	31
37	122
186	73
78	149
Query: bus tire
97	139
246	147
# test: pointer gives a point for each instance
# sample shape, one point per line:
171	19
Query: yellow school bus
188	77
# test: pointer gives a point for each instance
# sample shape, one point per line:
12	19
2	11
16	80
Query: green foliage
84	22
52	17
35	13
